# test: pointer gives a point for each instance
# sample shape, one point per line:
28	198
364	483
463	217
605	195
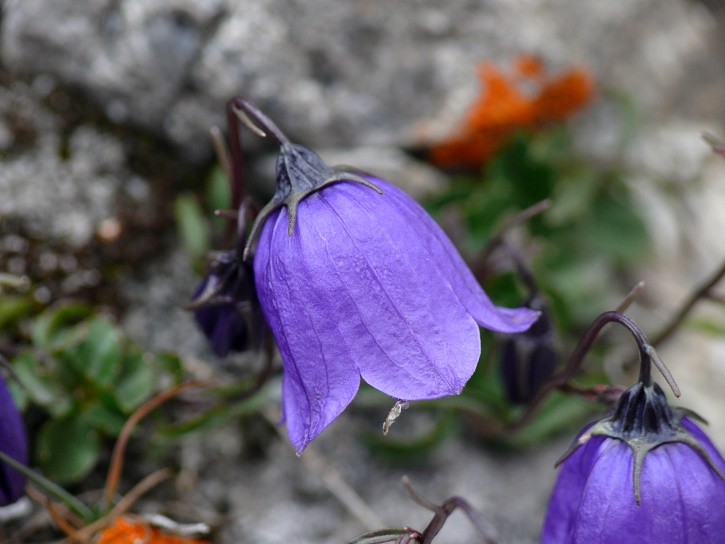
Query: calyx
642	418
300	171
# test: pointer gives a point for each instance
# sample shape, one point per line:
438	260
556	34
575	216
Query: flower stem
50	488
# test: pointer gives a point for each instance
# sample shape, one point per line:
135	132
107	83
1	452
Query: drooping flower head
645	473
225	304
357	280
13	443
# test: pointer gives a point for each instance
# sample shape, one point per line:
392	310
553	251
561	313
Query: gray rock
333	74
60	197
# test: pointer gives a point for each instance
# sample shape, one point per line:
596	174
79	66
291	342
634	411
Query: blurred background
478	108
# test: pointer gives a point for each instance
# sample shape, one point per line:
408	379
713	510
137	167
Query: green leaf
218	190
192	225
573	197
137	381
99	356
706	326
40	385
396	450
103	418
172	363
13	308
614	229
67	448
50	329
560	413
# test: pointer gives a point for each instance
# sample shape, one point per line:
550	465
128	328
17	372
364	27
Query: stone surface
334	74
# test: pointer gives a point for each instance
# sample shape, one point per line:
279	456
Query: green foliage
87	379
197	226
592	232
192	225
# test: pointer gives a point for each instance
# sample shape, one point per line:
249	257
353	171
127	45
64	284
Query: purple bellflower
14	444
225	304
357	280
645	473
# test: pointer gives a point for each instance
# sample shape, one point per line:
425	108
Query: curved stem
116	467
699	293
647	355
236	166
50	488
244	109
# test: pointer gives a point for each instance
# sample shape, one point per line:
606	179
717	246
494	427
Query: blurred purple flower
13	443
357	280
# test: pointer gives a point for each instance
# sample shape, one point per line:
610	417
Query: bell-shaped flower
14	444
225	304
645	473
357	280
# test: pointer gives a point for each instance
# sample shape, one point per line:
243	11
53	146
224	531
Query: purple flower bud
13	443
225	306
646	473
528	359
357	280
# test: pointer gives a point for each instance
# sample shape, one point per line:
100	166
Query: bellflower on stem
357	280
645	473
14	444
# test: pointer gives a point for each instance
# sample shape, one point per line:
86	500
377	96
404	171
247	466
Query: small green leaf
707	326
192	225
614	229
49	327
67	448
103	418
40	385
396	450
99	356
13	308
561	412
172	363
218	190
137	381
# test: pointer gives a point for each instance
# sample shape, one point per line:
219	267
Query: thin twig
119	450
511	222
629	299
341	490
48	487
335	484
698	294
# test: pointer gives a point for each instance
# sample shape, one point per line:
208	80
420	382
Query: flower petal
413	338
298	298
454	268
13	442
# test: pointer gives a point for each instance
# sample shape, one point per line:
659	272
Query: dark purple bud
528	359
13	443
226	308
645	473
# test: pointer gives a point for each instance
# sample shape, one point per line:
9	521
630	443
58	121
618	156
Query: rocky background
105	110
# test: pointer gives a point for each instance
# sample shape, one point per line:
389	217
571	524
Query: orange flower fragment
127	531
527	100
